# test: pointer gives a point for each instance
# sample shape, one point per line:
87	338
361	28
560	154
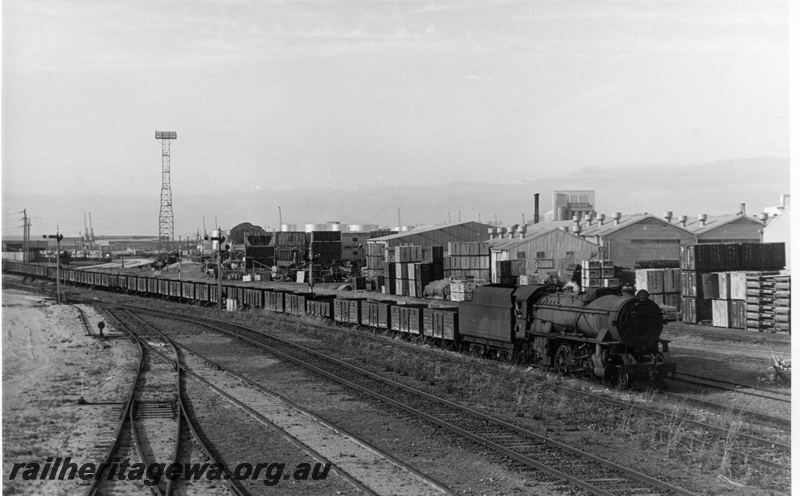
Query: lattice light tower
166	224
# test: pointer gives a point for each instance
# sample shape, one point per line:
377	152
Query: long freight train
602	332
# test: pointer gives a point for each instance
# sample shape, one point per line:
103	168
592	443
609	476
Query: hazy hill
686	190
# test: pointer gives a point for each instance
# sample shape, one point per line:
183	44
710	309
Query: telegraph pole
311	263
58	237
180	257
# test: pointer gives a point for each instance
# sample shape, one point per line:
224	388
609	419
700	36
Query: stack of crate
462	290
354	247
701	285
727	294
768	302
509	271
290	247
664	285
598	273
467	260
326	247
404	272
375	264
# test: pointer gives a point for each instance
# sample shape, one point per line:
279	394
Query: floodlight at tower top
166	135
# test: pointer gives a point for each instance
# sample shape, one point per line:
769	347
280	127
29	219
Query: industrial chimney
668	216
763	216
684	218
702	218
741	209
536	208
617	218
602	218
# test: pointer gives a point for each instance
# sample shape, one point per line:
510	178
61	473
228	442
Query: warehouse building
438	235
629	239
546	249
734	228
779	231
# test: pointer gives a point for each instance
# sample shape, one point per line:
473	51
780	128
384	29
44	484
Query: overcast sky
386	95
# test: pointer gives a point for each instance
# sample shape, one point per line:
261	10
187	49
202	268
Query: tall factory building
568	203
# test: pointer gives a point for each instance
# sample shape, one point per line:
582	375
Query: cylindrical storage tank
334	226
215	243
634	322
396	229
355	228
405	228
317	227
288	227
370	227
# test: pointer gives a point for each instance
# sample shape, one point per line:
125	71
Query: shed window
656	241
570	254
521	255
355	253
540	254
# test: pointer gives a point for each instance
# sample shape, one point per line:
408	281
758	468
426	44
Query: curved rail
496	434
182	416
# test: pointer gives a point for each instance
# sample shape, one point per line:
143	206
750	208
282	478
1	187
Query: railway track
578	468
154	422
761	446
771	394
768	447
357	458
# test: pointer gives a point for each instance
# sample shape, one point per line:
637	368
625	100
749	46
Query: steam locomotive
602	332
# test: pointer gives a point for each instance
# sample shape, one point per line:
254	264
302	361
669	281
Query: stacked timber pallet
700	281
598	273
510	271
664	285
467	260
768	302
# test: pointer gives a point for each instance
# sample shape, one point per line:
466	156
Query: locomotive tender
602	332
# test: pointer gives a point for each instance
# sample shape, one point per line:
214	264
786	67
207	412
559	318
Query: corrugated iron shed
438	235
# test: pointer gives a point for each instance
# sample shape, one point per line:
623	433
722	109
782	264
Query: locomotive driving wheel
563	360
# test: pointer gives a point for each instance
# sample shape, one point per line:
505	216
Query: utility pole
25	236
58	237
311	263
180	257
219	238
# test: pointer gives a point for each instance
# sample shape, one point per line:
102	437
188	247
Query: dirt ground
48	363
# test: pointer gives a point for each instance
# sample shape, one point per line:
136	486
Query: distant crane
85	236
91	230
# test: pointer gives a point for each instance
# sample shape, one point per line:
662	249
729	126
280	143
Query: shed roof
424	229
504	244
717	221
610	227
